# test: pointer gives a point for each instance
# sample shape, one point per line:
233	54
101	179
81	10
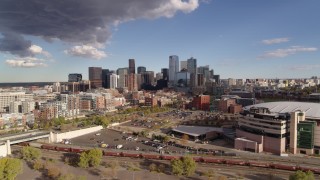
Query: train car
150	156
216	161
105	153
48	147
305	169
130	155
315	170
236	162
284	167
258	164
165	157
198	159
23	144
75	150
63	149
36	145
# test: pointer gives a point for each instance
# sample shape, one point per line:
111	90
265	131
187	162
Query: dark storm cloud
15	44
77	21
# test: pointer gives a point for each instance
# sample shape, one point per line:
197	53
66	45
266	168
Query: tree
37	165
83	160
152	167
30	153
90	158
68	176
300	175
185	166
10	168
53	171
166	139
210	174
184	139
177	167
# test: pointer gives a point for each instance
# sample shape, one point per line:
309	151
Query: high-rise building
113	81
147	78
141	69
165	73
183	65
131	77
122	73
104	77
132	66
95	76
205	71
74	77
192	65
173	67
192	69
132	82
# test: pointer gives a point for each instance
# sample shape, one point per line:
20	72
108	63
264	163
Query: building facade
173	67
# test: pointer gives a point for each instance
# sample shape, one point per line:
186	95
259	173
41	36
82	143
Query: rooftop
196	130
312	110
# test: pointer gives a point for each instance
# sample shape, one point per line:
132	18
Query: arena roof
312	109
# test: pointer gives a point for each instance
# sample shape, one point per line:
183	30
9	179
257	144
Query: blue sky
238	39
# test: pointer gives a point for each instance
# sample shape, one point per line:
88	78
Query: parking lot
112	139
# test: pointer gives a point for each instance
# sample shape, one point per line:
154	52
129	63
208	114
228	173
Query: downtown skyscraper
173	67
95	77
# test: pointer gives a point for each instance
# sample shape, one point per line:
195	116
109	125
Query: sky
43	41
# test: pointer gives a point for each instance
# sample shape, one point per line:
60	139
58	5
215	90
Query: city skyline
246	39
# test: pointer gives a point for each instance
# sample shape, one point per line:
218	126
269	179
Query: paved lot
114	138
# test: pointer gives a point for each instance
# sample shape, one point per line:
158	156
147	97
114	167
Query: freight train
199	159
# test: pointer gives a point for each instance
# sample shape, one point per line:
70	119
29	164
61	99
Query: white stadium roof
312	109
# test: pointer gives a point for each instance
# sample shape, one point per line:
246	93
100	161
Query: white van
119	146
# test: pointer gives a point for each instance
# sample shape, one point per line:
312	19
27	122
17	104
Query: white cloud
35	50
304	67
86	51
26	62
280	53
275	41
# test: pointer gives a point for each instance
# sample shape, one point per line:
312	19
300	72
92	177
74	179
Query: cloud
280	53
86	51
304	67
34	50
27	62
15	44
275	41
80	22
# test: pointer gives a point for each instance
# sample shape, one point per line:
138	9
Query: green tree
185	166
10	168
300	175
177	167
83	160
30	153
37	165
90	158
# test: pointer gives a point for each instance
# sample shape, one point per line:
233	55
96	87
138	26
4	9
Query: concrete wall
5	149
265	143
250	136
244	144
56	138
274	145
